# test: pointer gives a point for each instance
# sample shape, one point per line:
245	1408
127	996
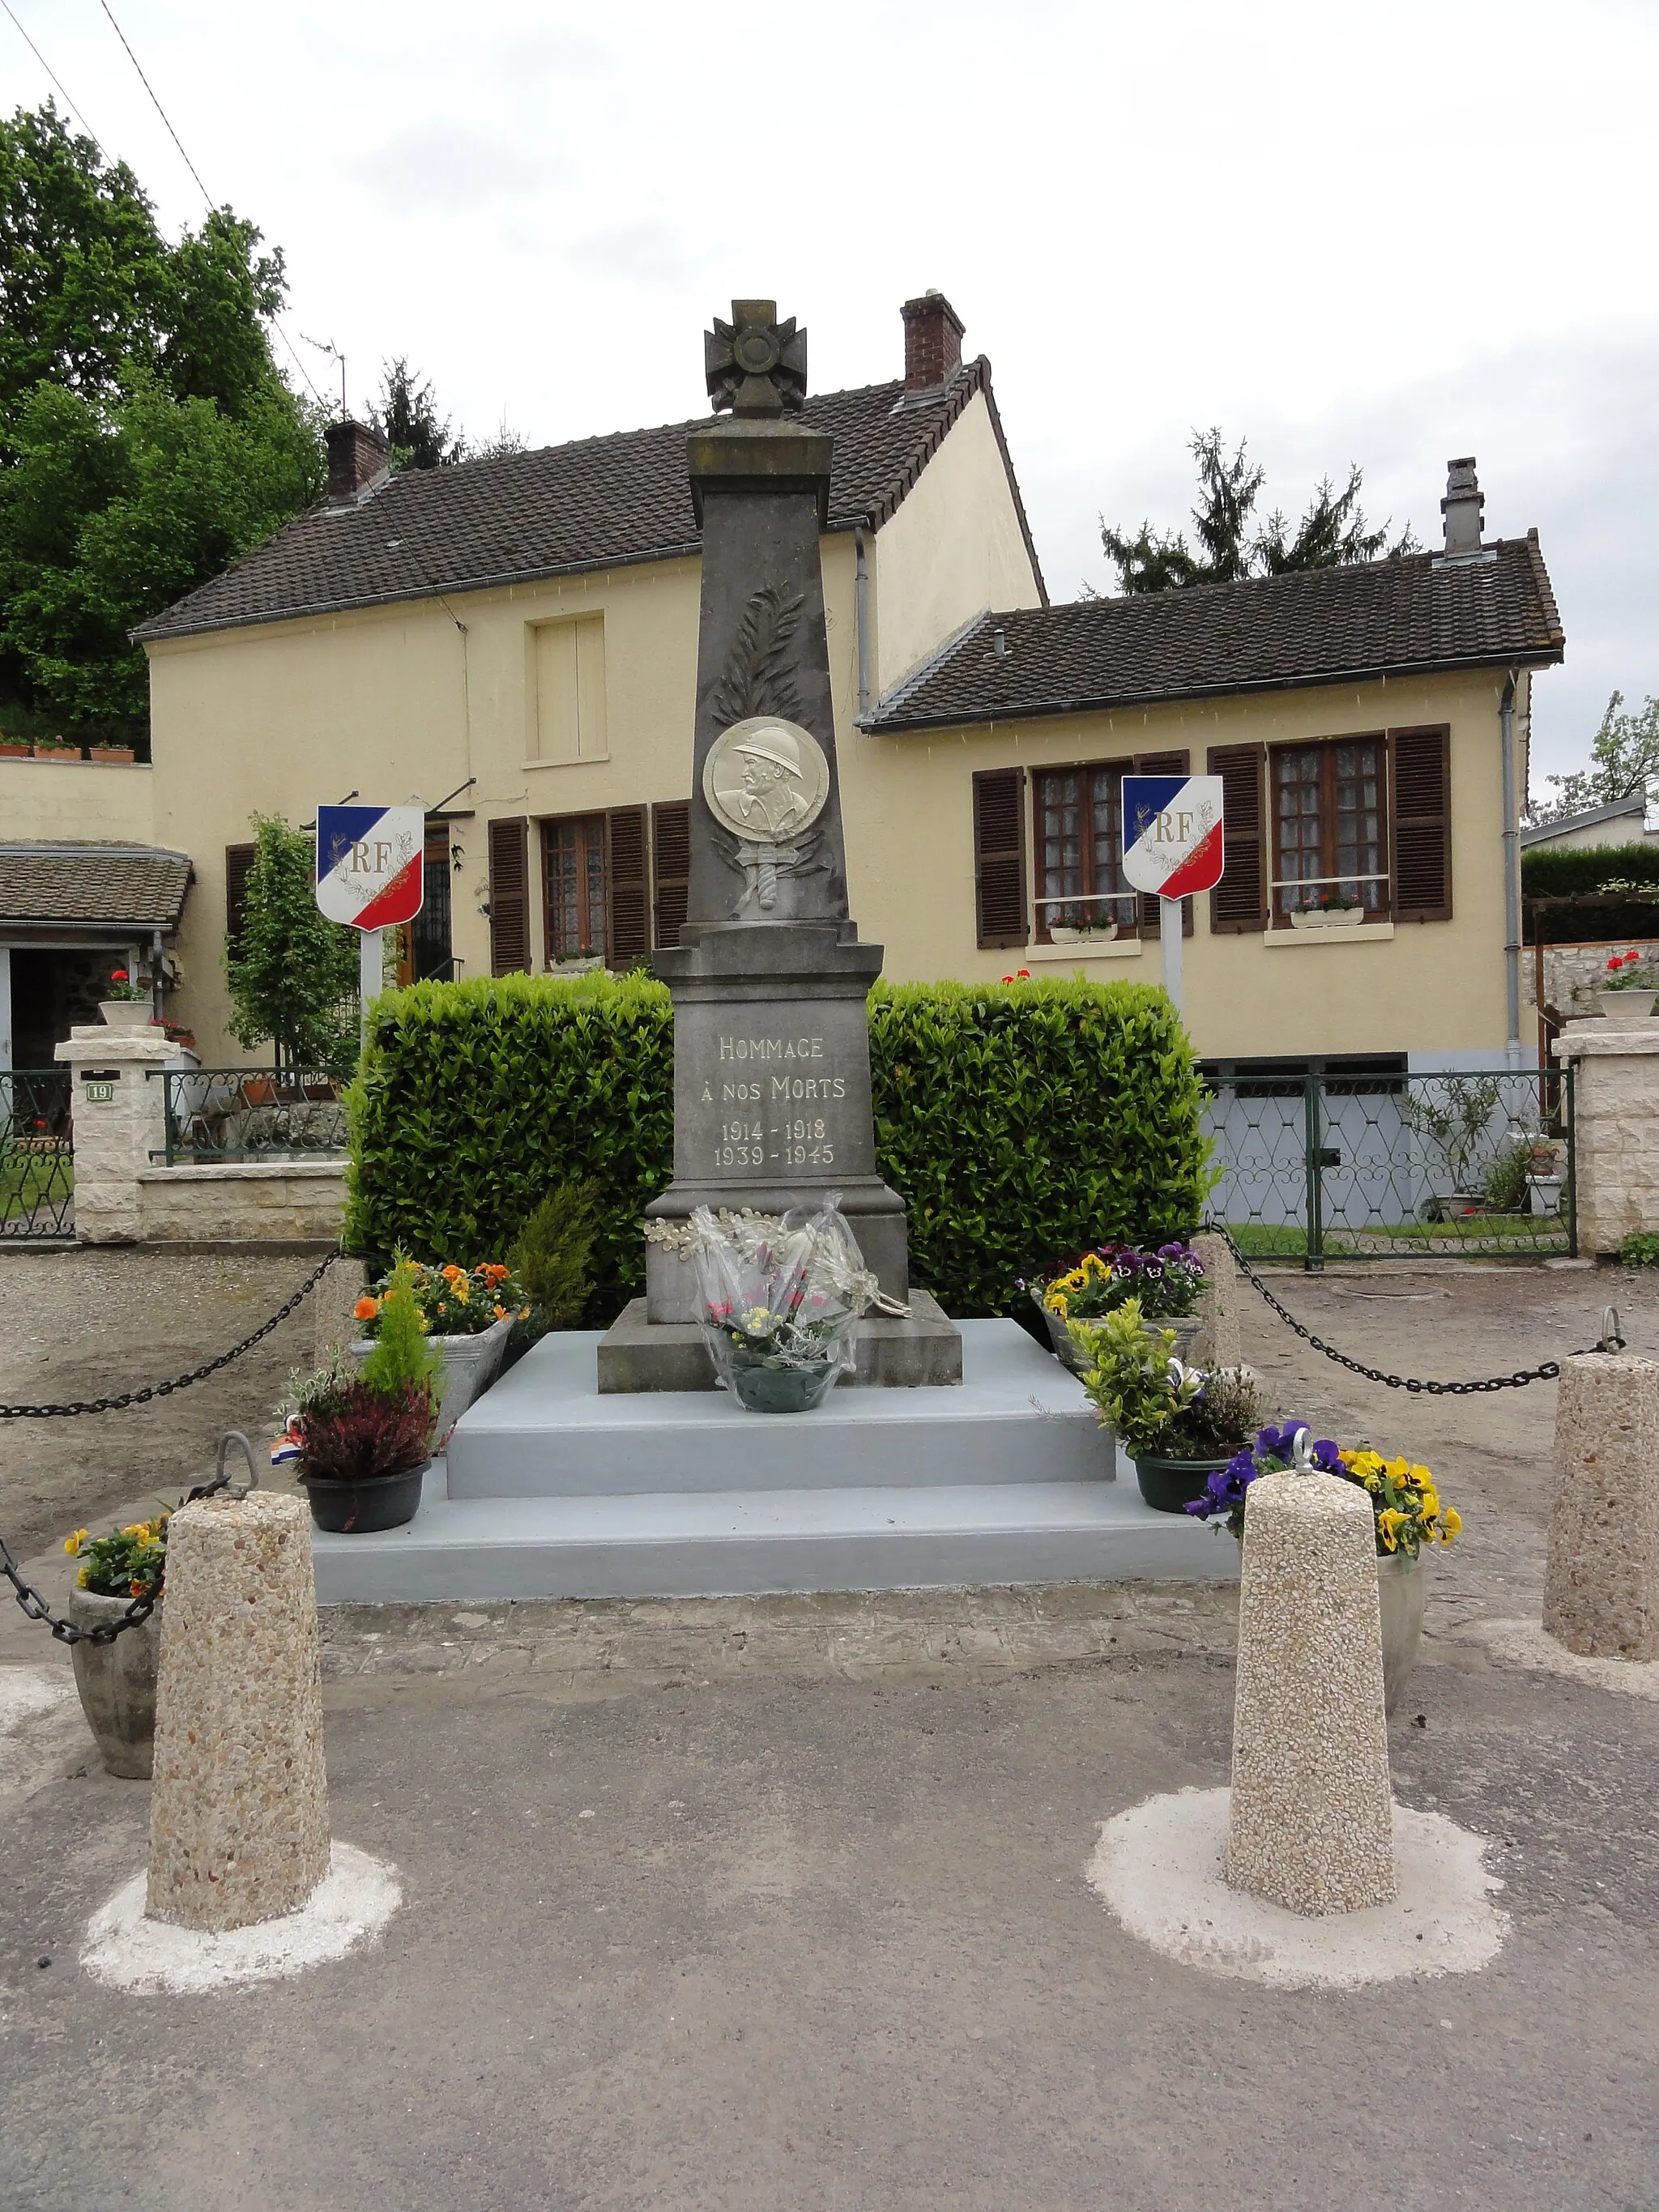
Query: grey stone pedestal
921	1352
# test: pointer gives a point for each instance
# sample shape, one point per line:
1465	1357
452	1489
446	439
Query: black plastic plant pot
1169	1486
764	1390
359	1508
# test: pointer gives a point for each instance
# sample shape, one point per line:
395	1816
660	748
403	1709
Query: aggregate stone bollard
1311	1823
1217	1343
1601	1583
239	1813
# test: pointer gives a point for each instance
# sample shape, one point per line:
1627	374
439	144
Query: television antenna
328	346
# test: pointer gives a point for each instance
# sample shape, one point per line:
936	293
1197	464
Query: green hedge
1560	872
1018	1121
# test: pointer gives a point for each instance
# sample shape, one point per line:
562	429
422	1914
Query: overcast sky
1389	234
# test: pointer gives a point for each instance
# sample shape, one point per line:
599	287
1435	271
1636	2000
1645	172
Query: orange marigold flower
366	1309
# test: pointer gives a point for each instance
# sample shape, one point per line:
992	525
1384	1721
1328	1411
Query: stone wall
263	1202
1571	972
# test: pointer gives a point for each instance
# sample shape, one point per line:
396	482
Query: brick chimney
1463	508
933	341
356	456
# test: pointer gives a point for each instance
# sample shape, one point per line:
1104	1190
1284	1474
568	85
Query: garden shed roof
598	503
83	886
1414	615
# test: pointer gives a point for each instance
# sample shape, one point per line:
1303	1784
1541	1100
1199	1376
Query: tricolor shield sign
1172	834
370	864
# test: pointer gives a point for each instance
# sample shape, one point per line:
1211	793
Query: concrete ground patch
1158	1867
1529	1643
348	1908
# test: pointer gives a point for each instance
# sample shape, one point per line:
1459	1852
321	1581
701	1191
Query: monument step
545	1430
725	1543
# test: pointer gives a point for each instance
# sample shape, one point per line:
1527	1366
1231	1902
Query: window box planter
1326	917
470	1365
1060	933
1624	1009
117	1682
57	752
10	750
1186	1328
111	752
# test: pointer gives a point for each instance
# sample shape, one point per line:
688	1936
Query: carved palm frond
759	678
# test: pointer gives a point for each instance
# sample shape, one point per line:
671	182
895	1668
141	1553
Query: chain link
1548	1372
33	1604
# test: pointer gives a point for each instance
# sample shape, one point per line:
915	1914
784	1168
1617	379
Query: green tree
408	416
1332	531
147	440
294	974
1624	756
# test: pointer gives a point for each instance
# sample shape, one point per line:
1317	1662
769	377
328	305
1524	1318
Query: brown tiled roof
1402	616
596	504
136	886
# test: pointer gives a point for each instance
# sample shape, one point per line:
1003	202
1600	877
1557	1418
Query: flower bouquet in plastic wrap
781	1301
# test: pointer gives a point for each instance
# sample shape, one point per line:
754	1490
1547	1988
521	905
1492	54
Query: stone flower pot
1625	1008
1186	1329
1401	1587
117	1682
126	1013
470	1365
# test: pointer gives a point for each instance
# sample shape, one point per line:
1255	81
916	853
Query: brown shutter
239	860
628	900
1419	814
999	857
670	855
1152	907
1239	903
509	897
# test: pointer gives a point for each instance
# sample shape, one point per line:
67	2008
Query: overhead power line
160	110
51	73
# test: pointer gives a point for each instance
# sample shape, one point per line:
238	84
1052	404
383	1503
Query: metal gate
1392	1166
37	1154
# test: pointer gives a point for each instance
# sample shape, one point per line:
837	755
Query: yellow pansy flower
1451	1524
1388	1524
1055	1302
83	1578
72	1544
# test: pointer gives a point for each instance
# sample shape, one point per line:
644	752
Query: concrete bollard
1217	1343
1601	1583
1310	1822
238	1812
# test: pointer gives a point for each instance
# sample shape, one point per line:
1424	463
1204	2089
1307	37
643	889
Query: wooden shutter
239	860
1152	907
1239	903
509	897
670	856
628	889
999	857
1420	821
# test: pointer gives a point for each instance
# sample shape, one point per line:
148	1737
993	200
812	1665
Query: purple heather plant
1272	1450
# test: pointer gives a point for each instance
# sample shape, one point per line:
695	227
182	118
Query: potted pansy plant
117	1680
1406	1506
468	1314
1165	1283
1180	1425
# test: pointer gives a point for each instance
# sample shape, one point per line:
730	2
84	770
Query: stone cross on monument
771	1041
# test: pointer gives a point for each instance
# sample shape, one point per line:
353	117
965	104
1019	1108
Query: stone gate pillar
1615	1118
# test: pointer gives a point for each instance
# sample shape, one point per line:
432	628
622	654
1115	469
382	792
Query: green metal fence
37	1154
234	1113
1393	1166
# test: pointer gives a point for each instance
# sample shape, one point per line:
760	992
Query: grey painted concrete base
552	1490
921	1352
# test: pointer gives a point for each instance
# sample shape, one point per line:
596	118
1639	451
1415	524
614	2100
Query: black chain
1548	1372
33	1604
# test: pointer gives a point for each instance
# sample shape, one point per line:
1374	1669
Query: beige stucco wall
66	802
1429	987
953	550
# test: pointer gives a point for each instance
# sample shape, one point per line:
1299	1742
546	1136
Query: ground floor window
573	880
1077	826
1330	837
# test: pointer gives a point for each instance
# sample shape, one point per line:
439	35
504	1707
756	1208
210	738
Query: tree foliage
293	973
1332	530
1624	755
407	415
146	438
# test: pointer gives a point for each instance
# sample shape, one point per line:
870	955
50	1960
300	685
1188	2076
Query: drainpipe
1511	876
861	619
155	974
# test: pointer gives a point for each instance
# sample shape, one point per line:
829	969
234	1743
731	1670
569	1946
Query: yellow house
513	643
